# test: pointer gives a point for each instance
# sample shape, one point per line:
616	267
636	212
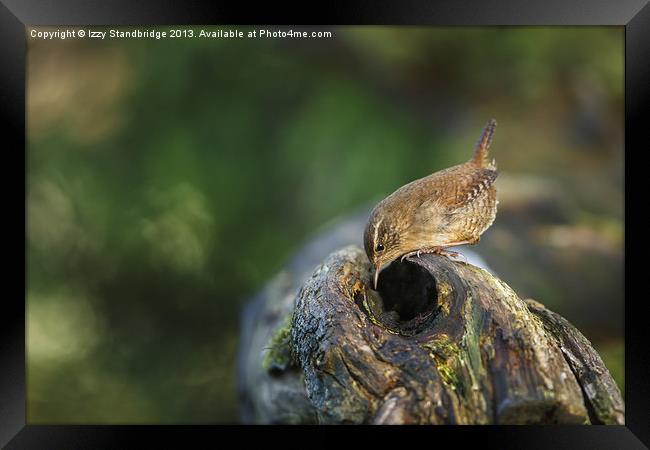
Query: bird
451	207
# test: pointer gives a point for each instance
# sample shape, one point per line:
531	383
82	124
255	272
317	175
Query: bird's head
381	241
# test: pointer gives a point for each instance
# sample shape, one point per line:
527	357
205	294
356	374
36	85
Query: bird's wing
454	189
471	186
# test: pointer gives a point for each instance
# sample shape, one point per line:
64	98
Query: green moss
449	376
278	356
442	347
446	354
472	343
369	309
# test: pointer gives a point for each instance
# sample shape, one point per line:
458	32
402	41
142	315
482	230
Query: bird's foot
452	255
422	251
435	250
415	253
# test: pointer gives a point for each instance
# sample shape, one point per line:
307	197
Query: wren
447	208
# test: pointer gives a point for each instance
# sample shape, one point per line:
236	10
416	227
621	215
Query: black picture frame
16	15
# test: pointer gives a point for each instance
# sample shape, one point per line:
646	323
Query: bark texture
439	342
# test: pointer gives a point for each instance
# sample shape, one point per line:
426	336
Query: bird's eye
379	248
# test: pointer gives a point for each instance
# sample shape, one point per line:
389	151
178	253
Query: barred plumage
451	207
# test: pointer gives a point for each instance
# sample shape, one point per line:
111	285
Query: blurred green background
168	180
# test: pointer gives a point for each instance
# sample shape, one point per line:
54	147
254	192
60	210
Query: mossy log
439	342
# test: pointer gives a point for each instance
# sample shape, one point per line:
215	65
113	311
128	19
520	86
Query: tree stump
439	342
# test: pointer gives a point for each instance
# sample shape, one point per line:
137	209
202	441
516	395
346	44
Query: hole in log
407	296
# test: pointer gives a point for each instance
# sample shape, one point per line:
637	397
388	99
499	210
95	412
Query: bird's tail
481	156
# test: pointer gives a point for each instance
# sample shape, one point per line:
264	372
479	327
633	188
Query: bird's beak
377	268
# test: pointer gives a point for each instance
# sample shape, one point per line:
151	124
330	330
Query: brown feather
481	157
447	208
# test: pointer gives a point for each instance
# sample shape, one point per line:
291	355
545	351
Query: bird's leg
449	253
406	255
437	250
424	251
